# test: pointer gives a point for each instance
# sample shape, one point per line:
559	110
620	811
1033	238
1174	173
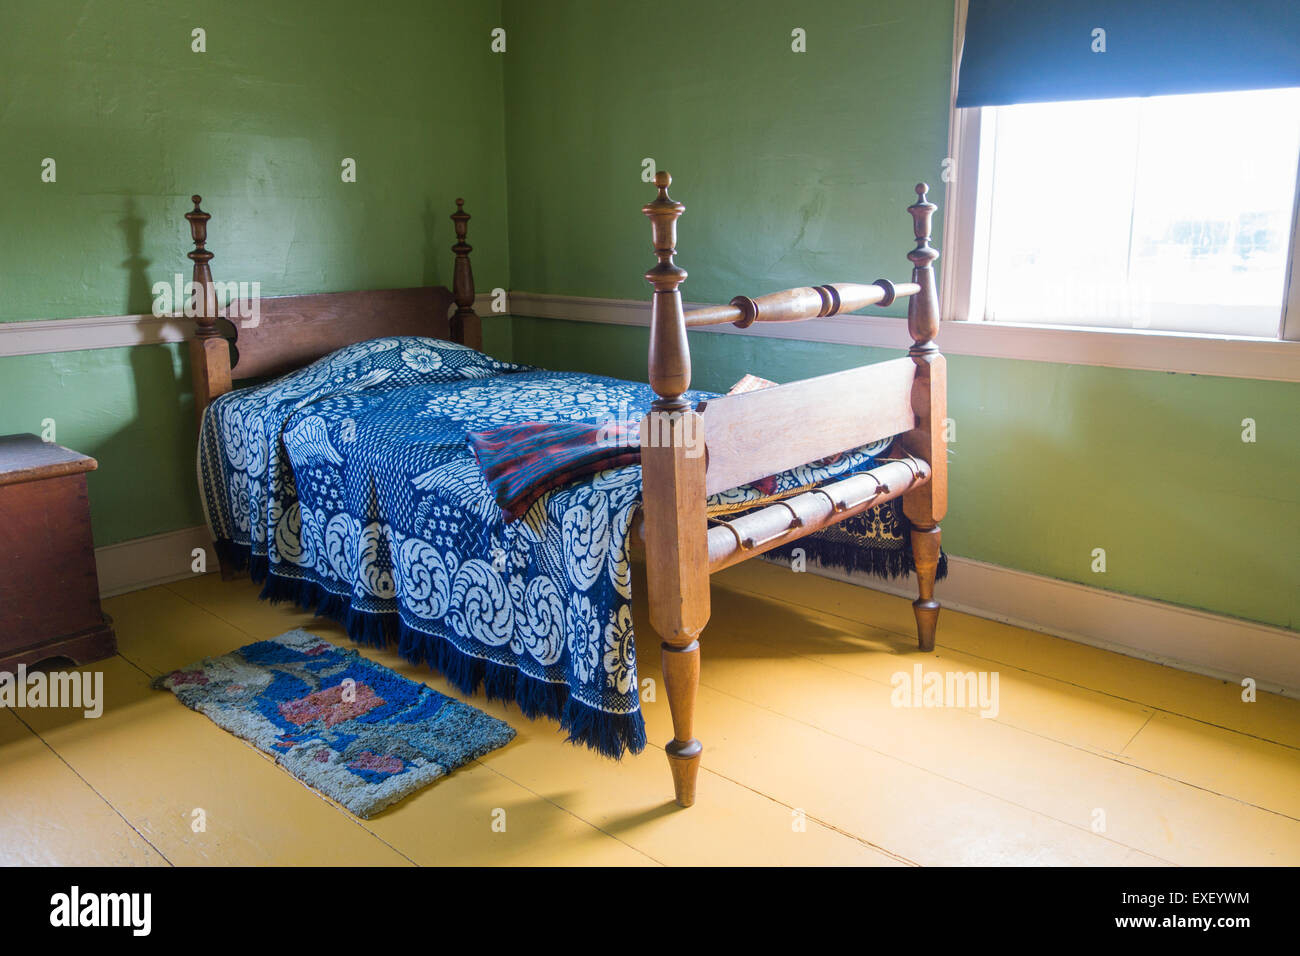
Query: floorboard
1091	758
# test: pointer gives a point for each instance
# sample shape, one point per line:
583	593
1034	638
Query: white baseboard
1218	646
157	559
1224	647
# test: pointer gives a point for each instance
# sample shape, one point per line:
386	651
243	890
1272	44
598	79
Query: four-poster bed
672	511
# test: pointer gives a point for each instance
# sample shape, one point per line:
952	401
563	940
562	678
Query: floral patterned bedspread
350	488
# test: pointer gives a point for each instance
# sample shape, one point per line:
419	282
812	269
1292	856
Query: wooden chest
49	590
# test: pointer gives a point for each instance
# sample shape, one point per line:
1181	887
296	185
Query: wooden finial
198	224
206	298
664	211
922	210
460	217
465	325
209	351
670	356
923	308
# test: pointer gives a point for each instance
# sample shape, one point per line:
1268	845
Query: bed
341	478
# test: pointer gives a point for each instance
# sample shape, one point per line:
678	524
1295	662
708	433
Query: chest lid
27	458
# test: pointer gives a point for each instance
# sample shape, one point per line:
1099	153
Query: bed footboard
754	434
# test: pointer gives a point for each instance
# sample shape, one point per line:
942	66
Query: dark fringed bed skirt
609	734
876	542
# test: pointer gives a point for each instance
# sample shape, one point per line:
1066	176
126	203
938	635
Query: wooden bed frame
814	418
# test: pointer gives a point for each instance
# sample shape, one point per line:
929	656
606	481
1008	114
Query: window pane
1168	212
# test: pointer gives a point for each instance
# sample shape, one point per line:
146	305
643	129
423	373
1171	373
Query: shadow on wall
139	296
435	253
146	464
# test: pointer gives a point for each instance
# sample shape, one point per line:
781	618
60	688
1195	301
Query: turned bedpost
923	308
676	525
466	328
925	506
209	350
670	354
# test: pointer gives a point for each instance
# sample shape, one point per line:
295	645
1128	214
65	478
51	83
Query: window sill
1234	356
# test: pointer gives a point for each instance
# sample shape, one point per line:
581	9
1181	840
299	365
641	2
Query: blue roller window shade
1037	51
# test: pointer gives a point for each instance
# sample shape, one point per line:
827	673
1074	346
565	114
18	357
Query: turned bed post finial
923	308
465	325
205	296
209	350
670	355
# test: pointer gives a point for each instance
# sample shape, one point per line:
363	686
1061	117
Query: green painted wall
794	168
132	410
259	125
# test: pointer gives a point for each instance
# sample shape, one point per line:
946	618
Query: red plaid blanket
523	462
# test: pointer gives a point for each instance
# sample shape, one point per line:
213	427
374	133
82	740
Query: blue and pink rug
352	729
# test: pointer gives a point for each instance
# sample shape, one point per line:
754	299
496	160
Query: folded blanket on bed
523	462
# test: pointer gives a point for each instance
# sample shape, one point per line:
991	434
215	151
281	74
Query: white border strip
1226	648
1231	356
1223	647
157	559
90	332
117	331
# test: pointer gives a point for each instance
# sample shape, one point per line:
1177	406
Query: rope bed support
731	542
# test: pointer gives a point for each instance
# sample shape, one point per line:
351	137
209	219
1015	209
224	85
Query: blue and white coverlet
349	487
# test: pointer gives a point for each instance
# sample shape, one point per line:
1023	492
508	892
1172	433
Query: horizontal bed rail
806	302
741	538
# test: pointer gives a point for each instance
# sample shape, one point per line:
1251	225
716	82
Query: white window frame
966	223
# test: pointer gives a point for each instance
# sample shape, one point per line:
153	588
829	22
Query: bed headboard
294	330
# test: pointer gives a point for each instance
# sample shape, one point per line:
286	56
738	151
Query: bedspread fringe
609	734
852	558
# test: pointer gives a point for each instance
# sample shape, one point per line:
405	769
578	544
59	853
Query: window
1170	213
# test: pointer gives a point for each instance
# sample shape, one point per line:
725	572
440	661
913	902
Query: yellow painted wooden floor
796	720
